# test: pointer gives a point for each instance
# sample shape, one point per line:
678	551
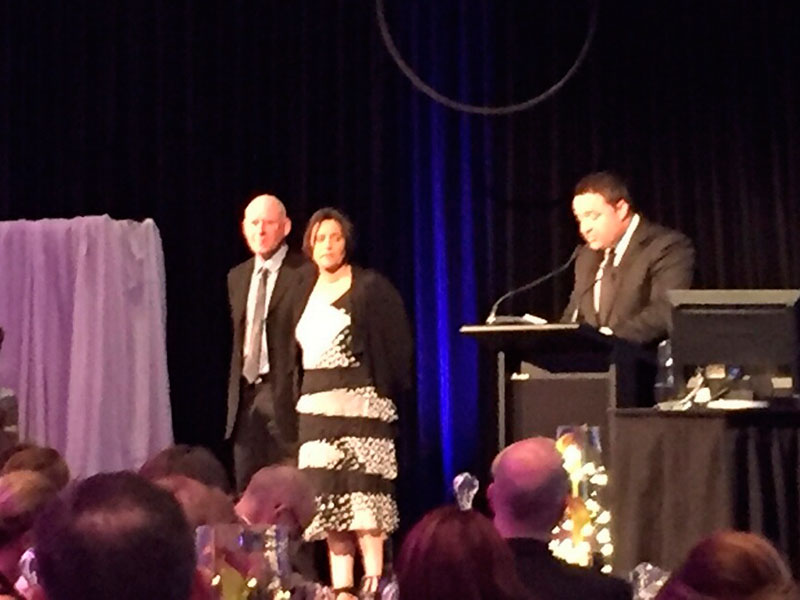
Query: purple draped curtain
83	304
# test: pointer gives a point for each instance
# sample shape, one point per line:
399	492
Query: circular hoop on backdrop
472	108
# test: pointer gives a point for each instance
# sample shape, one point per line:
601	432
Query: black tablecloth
677	477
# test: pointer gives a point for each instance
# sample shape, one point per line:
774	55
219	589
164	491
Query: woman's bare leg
371	545
341	554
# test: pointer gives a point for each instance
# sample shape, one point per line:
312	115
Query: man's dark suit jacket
657	260
545	576
294	277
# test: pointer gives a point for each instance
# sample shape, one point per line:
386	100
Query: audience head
115	535
731	565
603	208
278	495
454	553
11	451
47	461
328	239
529	490
202	504
265	225
23	494
195	462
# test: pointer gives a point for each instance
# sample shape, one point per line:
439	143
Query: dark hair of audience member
453	553
44	460
731	565
114	535
195	462
202	504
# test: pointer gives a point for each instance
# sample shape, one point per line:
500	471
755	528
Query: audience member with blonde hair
22	495
731	565
44	460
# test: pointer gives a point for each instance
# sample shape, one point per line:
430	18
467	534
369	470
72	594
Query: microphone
493	313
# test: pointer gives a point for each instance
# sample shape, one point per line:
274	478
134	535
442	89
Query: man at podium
627	265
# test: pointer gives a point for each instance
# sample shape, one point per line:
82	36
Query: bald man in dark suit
264	377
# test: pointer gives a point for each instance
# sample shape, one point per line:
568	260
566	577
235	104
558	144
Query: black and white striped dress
346	428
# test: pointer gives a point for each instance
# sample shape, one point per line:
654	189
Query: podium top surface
481	329
550	338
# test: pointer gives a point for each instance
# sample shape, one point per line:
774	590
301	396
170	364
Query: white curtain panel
83	303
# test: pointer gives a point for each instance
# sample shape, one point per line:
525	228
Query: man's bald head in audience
278	494
529	488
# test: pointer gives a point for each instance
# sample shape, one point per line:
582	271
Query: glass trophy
243	562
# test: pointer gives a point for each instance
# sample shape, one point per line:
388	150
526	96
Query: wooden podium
562	374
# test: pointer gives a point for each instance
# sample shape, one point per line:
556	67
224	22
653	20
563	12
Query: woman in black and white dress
356	347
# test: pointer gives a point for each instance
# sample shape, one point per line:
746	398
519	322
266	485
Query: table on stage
677	477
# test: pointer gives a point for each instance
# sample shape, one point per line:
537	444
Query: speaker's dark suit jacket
293	283
656	260
545	576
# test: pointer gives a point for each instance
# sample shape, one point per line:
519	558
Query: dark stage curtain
181	111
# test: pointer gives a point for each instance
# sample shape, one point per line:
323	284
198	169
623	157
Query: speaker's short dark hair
114	535
609	185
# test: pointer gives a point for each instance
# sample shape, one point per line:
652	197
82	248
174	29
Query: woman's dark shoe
369	587
344	593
